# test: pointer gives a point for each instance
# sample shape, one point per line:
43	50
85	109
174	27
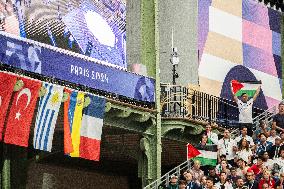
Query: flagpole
187	152
172	38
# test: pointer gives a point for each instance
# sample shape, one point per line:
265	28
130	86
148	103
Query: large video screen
95	28
240	40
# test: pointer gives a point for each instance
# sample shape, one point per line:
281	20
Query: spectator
267	161
203	182
212	137
275	176
234	176
273	136
173	182
182	184
223	183
196	172
212	174
219	167
278	119
222	157
260	175
266	186
190	184
202	145
262	145
223	168
244	152
266	179
251	183
245	110
274	151
210	183
245	136
240	184
183	173
225	147
280	183
256	168
204	140
242	168
282	138
263	128
280	161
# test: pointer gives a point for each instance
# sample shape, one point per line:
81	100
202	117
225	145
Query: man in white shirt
245	109
212	137
267	162
273	136
225	147
244	131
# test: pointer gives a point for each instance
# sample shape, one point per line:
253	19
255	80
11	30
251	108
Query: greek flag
49	105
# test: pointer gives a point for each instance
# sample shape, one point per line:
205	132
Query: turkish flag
21	113
7	83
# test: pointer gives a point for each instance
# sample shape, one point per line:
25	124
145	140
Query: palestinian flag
208	155
248	87
191	151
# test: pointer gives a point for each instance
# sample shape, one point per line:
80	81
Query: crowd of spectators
253	161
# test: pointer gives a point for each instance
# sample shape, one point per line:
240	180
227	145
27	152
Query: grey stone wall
180	15
133	32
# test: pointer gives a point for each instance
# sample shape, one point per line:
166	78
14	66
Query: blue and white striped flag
46	118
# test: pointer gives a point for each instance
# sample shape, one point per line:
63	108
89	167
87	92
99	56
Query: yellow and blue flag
76	123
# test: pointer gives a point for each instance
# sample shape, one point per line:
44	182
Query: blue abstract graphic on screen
93	28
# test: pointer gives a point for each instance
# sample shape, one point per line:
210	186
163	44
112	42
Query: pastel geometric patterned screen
235	34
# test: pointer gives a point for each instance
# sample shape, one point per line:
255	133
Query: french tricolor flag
91	129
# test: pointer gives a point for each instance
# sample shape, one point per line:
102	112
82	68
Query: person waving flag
248	92
248	87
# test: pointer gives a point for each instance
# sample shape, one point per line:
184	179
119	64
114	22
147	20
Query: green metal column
6	174
157	160
152	145
6	169
148	35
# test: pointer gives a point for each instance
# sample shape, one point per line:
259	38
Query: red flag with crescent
7	83
21	113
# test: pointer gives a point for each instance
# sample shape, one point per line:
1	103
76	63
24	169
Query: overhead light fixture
175	61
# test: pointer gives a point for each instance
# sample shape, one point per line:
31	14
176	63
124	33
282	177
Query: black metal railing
174	101
182	102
